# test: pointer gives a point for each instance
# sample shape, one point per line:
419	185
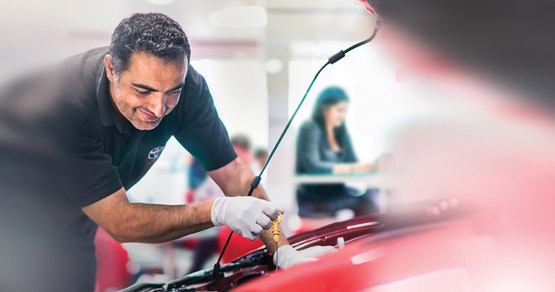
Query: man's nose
157	104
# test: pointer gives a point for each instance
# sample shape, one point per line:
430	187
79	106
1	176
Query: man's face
148	90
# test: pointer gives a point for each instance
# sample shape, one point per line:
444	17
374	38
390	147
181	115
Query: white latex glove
247	216
287	256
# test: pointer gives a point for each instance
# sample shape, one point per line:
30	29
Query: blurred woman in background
324	147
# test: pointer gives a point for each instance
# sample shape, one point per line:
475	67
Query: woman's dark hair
329	97
153	33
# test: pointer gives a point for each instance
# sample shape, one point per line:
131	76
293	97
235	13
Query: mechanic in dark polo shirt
107	123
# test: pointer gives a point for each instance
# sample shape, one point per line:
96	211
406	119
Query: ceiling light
239	17
161	2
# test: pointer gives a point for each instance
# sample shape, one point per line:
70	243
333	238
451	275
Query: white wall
239	90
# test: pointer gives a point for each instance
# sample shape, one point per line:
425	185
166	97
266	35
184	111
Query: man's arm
235	179
149	223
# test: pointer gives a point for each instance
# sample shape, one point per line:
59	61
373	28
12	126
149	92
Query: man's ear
109	67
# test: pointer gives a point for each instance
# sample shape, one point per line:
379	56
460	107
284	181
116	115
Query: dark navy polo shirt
123	154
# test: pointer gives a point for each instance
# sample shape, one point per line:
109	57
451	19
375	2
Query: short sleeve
199	128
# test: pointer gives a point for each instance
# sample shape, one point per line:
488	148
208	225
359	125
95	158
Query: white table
379	181
374	180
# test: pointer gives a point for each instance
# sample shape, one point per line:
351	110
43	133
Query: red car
498	236
373	250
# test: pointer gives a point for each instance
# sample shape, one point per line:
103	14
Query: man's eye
143	92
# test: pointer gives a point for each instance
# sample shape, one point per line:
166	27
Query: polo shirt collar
108	113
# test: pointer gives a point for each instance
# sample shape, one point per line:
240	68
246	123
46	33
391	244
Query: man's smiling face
148	89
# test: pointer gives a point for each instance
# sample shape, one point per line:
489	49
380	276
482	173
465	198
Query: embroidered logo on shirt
155	152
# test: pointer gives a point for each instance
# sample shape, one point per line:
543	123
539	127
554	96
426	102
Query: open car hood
246	272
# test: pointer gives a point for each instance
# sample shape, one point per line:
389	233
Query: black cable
256	181
341	54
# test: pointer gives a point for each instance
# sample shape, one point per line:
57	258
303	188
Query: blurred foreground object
509	41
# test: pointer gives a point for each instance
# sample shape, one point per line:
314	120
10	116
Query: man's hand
247	216
235	179
287	256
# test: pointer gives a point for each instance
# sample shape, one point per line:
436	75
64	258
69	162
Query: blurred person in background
207	189
243	147
73	141
196	175
324	147
261	156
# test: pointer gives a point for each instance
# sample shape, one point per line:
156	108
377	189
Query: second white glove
247	216
287	256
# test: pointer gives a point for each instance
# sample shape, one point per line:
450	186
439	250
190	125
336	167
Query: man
74	141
